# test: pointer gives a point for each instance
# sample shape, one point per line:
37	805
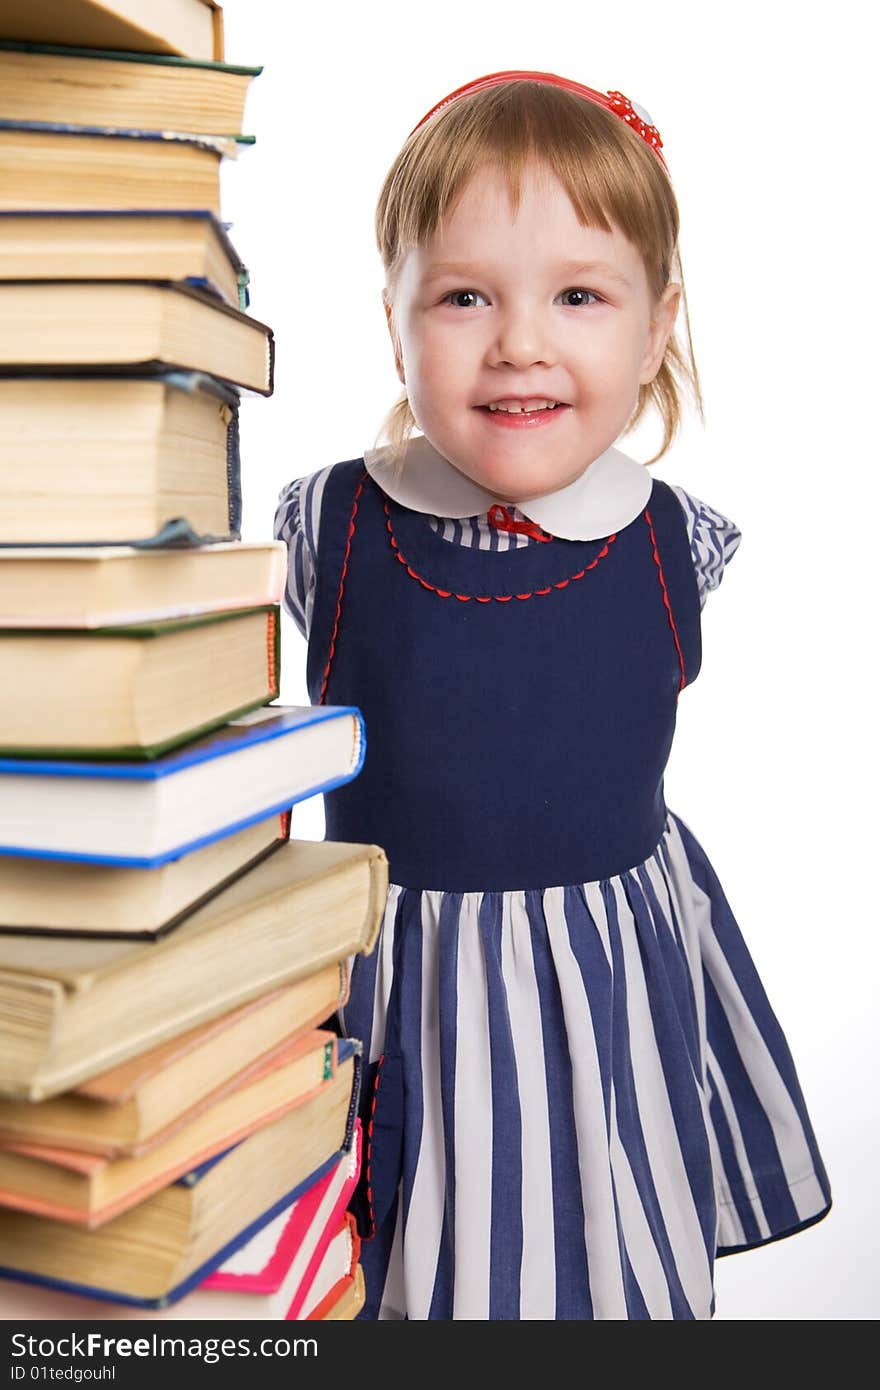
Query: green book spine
119	56
136	754
145	630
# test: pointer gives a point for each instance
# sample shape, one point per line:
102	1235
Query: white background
768	116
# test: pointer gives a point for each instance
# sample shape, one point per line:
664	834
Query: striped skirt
580	1097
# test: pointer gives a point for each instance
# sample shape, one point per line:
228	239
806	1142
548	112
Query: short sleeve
297	523
714	540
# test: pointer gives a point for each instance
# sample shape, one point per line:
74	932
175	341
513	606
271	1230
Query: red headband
635	116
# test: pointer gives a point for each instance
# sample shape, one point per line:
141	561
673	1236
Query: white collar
606	497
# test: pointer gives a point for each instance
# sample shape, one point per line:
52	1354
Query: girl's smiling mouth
523	412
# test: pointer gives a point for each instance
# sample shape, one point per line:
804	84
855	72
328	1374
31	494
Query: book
190	27
53	168
70	1009
271	1275
116	459
120	244
159	1250
145	813
89	1189
345	1301
328	1297
137	1105
78	325
99	586
267	1278
134	691
71	898
83	86
142	814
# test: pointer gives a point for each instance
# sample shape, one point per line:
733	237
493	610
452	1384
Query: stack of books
177	1128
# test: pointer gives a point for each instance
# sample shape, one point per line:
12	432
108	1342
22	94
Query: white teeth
515	409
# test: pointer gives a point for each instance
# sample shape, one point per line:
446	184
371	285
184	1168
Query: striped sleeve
297	523
714	540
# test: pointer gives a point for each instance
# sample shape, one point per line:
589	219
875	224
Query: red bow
501	519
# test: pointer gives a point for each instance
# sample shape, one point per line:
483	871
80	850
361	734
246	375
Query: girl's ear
395	341
662	324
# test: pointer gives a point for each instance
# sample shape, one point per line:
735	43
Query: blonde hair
609	173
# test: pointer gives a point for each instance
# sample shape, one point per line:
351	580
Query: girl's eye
465	299
578	299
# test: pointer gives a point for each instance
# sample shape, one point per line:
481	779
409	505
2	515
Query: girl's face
523	338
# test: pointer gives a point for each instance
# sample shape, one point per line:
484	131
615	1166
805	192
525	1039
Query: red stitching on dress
666	597
370	1149
489	598
330	654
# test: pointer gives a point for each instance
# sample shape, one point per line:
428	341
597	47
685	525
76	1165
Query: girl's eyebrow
441	268
568	269
575	268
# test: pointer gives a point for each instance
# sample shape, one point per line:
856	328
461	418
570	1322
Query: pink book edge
270	1277
330	1229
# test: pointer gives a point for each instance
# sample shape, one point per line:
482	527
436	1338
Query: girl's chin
516	479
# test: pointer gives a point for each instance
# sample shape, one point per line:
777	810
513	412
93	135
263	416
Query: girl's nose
521	340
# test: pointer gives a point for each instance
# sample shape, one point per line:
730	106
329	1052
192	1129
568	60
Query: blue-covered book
154	1254
140	814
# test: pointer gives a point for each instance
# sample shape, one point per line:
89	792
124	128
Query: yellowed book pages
102	460
92	323
75	89
82	899
127	692
132	1106
105	586
189	28
90	1189
72	1008
106	246
151	1249
42	170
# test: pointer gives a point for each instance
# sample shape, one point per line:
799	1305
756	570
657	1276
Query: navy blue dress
578	1094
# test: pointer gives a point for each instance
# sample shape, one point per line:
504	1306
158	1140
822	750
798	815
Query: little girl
577	1093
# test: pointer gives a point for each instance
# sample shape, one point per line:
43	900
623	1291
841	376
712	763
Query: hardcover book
92	459
138	1104
58	167
83	86
123	244
144	813
155	1253
72	898
190	27
272	1274
133	691
90	1189
49	326
345	1301
335	1293
70	1008
99	586
269	1277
